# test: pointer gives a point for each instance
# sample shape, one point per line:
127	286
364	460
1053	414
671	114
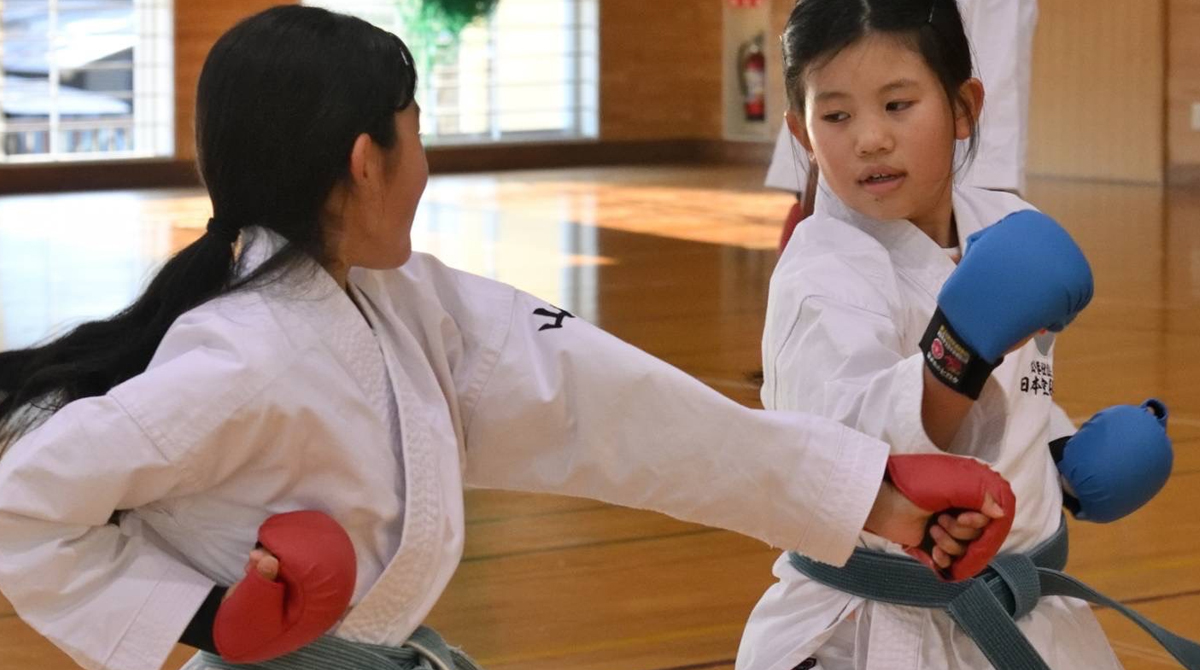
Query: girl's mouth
880	183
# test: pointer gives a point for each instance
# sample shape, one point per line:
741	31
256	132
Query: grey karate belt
425	650
987	605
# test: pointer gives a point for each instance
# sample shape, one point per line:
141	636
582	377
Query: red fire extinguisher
752	78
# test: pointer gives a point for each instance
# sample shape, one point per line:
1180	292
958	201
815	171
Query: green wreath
432	27
451	16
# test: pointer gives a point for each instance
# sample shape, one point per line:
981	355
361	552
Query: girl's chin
882	211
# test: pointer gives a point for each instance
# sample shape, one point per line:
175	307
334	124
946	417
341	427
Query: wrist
952	361
878	508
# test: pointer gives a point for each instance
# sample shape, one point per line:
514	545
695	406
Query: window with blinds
527	72
86	80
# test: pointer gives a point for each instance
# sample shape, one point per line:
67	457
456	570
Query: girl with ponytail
300	379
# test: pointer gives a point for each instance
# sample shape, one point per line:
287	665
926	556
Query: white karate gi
849	303
280	398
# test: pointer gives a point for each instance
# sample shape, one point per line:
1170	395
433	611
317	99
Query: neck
938	222
340	273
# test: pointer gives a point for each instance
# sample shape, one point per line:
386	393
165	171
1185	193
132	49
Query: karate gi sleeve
1060	424
844	362
108	598
569	409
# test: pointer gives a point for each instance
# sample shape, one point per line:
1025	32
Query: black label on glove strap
952	361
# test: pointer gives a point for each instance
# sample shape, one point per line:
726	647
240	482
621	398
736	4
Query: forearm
943	410
107	597
575	411
106	603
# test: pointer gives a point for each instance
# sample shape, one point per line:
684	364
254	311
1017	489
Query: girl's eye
899	105
835	117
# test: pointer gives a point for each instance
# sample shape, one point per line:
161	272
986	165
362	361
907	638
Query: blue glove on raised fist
1117	461
1017	277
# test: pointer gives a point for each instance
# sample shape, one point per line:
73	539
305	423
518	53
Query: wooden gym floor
676	261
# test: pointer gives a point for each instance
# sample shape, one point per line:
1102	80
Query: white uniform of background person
849	303
1001	36
284	398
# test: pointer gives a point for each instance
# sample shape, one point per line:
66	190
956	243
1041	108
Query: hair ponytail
96	356
281	100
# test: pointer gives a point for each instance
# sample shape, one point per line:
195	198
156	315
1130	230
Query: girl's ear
363	161
799	131
968	108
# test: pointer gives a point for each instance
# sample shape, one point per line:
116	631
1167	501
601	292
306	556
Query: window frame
151	121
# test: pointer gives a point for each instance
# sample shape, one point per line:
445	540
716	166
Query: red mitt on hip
952	484
265	619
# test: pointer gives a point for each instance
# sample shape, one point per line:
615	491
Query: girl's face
407	174
373	222
386	240
882	131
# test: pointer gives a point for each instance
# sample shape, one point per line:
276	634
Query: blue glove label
950	354
950	359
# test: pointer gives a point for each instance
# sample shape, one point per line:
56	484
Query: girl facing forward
917	311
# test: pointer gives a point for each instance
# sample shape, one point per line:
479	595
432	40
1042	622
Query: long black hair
818	30
281	99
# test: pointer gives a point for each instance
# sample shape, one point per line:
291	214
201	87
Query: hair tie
224	233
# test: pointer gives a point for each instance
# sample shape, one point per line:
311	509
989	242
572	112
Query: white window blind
528	72
86	80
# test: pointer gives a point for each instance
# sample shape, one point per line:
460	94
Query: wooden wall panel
660	65
1098	87
1098	90
1099	81
777	102
197	27
1183	84
660	69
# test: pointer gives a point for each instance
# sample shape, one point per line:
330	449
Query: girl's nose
873	139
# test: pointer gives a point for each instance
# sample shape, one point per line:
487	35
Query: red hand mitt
317	571
944	483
